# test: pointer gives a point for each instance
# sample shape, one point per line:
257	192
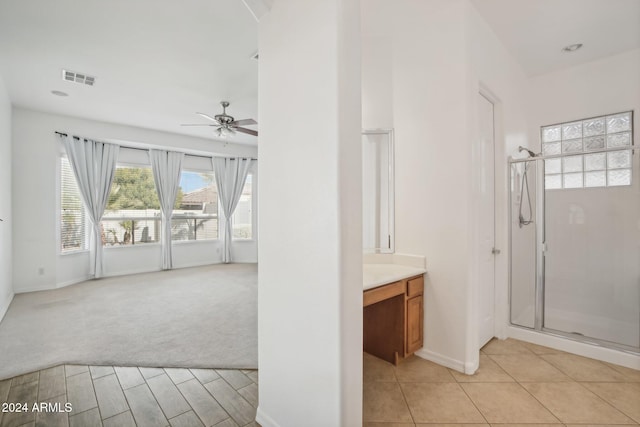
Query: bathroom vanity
393	297
393	314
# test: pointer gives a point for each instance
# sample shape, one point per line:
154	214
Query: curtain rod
147	150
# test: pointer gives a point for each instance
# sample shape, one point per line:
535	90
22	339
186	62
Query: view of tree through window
132	215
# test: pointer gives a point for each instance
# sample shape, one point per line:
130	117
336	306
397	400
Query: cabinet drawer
382	293
415	286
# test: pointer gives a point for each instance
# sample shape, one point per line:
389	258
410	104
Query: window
132	215
242	218
196	214
73	219
581	170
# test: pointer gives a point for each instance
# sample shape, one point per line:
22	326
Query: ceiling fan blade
247	131
243	122
199	124
206	116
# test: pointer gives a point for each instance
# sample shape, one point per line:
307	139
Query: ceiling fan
226	125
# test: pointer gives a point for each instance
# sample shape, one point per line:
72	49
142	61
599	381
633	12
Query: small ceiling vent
72	76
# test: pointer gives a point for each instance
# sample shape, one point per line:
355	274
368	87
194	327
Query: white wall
35	158
310	270
6	285
592	269
496	74
424	63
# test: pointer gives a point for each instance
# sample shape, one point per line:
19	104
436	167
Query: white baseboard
592	351
5	307
34	289
72	282
441	359
265	420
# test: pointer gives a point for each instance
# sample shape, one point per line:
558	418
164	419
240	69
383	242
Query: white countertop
375	275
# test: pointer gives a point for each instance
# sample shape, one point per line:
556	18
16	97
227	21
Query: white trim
441	359
73	252
72	282
198	264
130	246
134	271
582	349
195	242
264	420
34	289
3	310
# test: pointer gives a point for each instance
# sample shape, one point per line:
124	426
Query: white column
310	272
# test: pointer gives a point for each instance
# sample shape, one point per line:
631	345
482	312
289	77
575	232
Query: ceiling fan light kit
225	124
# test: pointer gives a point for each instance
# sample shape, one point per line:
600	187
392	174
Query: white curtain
93	165
167	167
230	177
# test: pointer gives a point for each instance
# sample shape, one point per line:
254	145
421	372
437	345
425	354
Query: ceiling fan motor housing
224	118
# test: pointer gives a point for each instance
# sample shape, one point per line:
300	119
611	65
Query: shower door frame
540	198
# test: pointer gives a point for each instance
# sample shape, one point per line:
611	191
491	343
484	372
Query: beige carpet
203	317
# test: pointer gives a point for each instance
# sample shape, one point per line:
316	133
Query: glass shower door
592	247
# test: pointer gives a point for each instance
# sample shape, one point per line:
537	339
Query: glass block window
584	170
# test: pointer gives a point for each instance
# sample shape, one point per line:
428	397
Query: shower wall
589	280
592	265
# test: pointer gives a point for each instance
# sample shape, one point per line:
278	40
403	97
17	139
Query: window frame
122	164
215	216
564	155
253	174
86	220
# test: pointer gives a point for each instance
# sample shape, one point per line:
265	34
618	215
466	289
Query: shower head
531	153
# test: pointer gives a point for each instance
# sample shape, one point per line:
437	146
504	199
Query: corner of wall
6	241
441	359
5	307
264	420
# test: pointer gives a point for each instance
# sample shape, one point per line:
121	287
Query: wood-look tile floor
111	396
517	384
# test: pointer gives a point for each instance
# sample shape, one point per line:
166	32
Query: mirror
377	191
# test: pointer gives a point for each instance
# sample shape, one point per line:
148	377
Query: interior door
486	217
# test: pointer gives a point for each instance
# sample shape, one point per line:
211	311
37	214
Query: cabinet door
415	322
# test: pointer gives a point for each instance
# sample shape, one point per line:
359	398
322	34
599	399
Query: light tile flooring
129	397
517	384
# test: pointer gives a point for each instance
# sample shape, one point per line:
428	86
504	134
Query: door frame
491	98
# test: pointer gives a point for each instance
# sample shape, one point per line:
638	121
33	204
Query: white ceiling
535	31
156	62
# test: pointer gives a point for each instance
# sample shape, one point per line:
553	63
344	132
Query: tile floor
127	396
517	384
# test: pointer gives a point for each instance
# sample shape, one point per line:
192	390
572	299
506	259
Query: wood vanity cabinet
414	315
394	318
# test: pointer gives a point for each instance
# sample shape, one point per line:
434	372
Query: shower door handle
495	251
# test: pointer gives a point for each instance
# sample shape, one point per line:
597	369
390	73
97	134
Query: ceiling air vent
72	76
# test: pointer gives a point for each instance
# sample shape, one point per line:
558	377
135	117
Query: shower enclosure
575	234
